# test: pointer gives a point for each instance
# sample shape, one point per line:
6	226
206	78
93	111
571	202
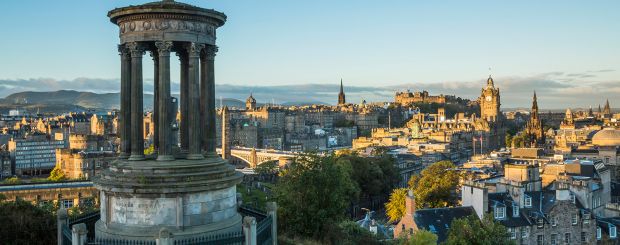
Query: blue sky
398	43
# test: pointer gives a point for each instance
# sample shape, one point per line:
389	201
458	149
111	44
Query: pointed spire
535	102
341	87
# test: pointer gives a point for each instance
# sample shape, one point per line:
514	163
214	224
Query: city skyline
402	46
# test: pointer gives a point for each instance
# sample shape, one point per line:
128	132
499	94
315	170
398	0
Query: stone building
533	215
435	220
78	164
408	98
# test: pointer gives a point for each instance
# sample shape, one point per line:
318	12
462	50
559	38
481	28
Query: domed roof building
607	137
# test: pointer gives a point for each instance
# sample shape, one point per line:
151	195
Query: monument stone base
189	198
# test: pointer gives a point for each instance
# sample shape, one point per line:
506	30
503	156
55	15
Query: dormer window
500	212
612	231
528	201
515	210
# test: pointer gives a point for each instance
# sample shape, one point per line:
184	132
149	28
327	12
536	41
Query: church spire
341	97
535	105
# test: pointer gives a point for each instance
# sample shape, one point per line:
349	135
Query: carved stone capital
123	51
164	47
136	49
194	49
210	51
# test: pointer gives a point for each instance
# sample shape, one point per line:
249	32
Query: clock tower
489	102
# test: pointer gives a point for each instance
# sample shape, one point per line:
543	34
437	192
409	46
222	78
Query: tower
534	127
341	98
489	101
226	140
250	103
607	110
142	196
569	121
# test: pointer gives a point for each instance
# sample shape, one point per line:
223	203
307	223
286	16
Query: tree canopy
421	237
313	193
432	188
472	231
374	176
24	223
57	174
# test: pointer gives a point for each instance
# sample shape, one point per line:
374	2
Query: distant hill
71	100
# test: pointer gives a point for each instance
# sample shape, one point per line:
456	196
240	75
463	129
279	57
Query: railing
263	231
233	238
103	241
264	235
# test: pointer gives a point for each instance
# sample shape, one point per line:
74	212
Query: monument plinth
186	188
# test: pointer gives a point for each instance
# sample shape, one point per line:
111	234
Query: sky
566	50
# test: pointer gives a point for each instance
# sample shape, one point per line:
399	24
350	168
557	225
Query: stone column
272	210
193	125
207	87
164	152
79	234
249	230
183	136
124	117
156	92
61	222
137	110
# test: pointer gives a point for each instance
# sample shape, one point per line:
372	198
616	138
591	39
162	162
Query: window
515	210
598	233
513	233
554	239
572	197
528	201
410	231
554	221
500	212
583	237
575	218
67	203
524	232
540	223
540	240
612	231
567	237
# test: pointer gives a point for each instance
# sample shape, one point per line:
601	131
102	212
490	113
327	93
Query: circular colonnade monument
186	189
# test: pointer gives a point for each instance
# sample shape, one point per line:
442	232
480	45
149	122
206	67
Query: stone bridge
254	157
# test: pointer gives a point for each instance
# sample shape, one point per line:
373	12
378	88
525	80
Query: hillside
70	100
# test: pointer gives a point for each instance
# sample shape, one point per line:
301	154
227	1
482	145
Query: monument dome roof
167	7
607	137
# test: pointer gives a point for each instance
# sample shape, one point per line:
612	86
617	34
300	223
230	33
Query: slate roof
438	220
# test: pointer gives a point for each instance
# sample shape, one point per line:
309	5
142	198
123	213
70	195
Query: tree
349	233
395	207
434	186
24	223
312	193
508	140
267	168
374	176
421	237
56	175
472	231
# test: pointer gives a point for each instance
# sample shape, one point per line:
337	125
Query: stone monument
186	189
